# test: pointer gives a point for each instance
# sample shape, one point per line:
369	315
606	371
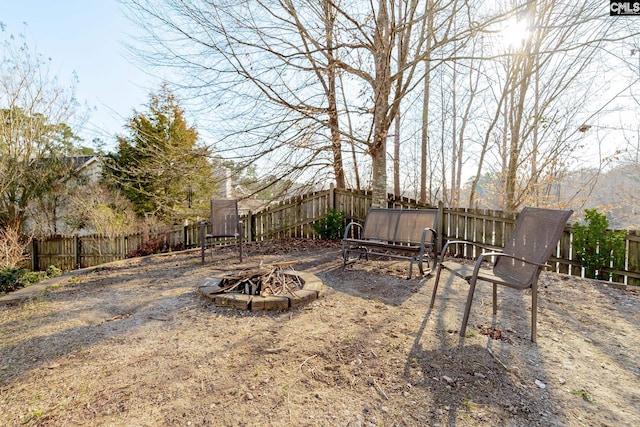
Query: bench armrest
423	239
351	225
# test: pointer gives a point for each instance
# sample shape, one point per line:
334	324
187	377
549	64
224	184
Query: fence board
633	257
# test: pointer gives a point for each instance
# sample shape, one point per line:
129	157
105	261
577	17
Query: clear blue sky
85	37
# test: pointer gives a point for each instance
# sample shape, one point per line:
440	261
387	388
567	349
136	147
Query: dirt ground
135	344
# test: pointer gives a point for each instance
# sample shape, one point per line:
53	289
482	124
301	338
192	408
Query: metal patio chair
224	222
518	266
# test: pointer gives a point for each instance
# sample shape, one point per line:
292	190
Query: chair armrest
483	255
502	254
348	229
451	242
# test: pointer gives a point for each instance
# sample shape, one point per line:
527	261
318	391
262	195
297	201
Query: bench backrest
399	225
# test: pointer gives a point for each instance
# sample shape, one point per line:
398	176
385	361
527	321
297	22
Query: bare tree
36	112
272	66
291	86
546	82
266	71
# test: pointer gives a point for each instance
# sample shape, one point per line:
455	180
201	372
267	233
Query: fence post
202	245
78	246
251	226
34	254
332	196
440	226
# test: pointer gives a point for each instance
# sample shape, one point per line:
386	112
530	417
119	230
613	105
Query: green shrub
597	247
9	279
331	226
13	278
53	271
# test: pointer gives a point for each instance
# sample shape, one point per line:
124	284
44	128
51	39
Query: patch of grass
393	347
34	415
74	280
582	393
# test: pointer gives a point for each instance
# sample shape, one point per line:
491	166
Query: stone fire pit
273	287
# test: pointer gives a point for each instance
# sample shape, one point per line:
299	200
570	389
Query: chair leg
344	255
495	299
202	243
467	308
534	312
420	266
240	237
435	286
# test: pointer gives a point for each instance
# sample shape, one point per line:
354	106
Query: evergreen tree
159	164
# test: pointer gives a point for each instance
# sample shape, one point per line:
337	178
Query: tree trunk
382	90
424	137
396	156
334	124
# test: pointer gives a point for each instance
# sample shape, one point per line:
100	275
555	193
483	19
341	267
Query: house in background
229	189
50	216
88	167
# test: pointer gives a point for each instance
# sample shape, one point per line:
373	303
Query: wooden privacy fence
72	252
294	217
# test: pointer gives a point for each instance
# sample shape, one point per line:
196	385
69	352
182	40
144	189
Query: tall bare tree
271	73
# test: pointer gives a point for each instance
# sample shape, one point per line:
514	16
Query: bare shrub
12	247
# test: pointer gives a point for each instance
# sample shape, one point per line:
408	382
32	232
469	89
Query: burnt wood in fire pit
266	287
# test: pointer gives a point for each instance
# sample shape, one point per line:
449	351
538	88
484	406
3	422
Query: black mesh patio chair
224	222
518	266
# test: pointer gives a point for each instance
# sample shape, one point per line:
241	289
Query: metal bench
396	233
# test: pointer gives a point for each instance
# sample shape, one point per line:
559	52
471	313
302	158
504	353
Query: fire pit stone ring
311	288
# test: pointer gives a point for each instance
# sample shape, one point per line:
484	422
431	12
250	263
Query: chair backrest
224	218
534	238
